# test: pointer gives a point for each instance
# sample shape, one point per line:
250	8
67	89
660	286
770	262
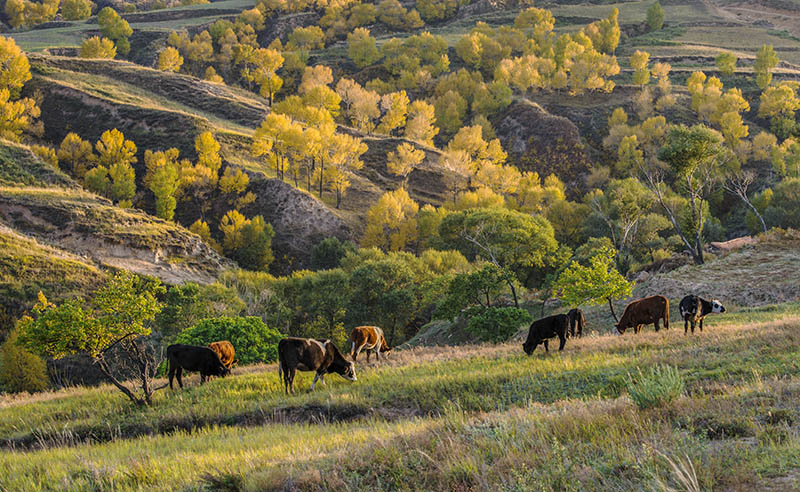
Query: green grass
476	417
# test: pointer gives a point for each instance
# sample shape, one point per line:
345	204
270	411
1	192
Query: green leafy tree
361	48
518	242
20	370
163	178
726	63
328	253
118	316
497	324
695	156
185	305
384	292
655	16
253	340
766	61
594	284
116	28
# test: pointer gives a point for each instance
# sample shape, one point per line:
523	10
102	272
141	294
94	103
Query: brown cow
225	351
309	354
369	338
643	312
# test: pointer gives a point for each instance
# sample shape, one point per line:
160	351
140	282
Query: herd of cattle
323	357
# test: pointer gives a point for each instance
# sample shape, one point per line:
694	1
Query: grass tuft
660	385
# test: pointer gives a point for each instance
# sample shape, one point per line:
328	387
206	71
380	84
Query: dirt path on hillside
754	12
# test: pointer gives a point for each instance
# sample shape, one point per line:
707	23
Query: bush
659	386
253	340
21	370
497	324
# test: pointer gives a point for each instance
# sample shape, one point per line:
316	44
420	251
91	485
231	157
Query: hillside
58	236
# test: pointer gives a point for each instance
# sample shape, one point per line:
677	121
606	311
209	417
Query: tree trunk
338	198
513	293
611	307
541	313
107	373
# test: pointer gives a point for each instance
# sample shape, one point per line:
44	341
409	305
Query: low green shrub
253	340
497	324
21	370
659	386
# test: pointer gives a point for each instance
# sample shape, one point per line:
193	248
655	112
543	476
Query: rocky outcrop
300	221
539	141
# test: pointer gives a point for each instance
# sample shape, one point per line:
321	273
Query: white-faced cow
194	358
309	354
543	329
576	322
694	309
369	338
643	312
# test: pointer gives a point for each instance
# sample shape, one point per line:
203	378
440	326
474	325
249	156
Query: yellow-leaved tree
97	47
392	222
404	160
163	179
16	115
114	176
170	60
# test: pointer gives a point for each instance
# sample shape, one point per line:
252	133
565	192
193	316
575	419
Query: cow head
621	328
717	307
528	348
221	370
340	365
385	346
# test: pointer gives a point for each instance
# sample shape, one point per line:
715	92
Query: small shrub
715	427
253	340
222	482
779	416
497	324
659	386
21	370
773	435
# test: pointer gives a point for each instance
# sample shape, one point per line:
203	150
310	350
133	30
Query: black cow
543	329
576	322
694	309
194	358
309	354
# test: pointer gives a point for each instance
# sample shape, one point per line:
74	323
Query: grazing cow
543	329
694	309
643	312
225	351
309	354
576	322
194	358
369	338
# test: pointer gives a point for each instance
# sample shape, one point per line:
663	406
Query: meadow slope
467	418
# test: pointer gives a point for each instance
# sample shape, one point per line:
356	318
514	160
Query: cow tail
666	317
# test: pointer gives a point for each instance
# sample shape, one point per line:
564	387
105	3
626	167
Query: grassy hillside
56	236
487	416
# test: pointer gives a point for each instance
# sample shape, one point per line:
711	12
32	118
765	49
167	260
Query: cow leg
685	326
179	374
701	324
378	352
171	375
202	378
314	383
546	347
562	341
657	324
290	374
